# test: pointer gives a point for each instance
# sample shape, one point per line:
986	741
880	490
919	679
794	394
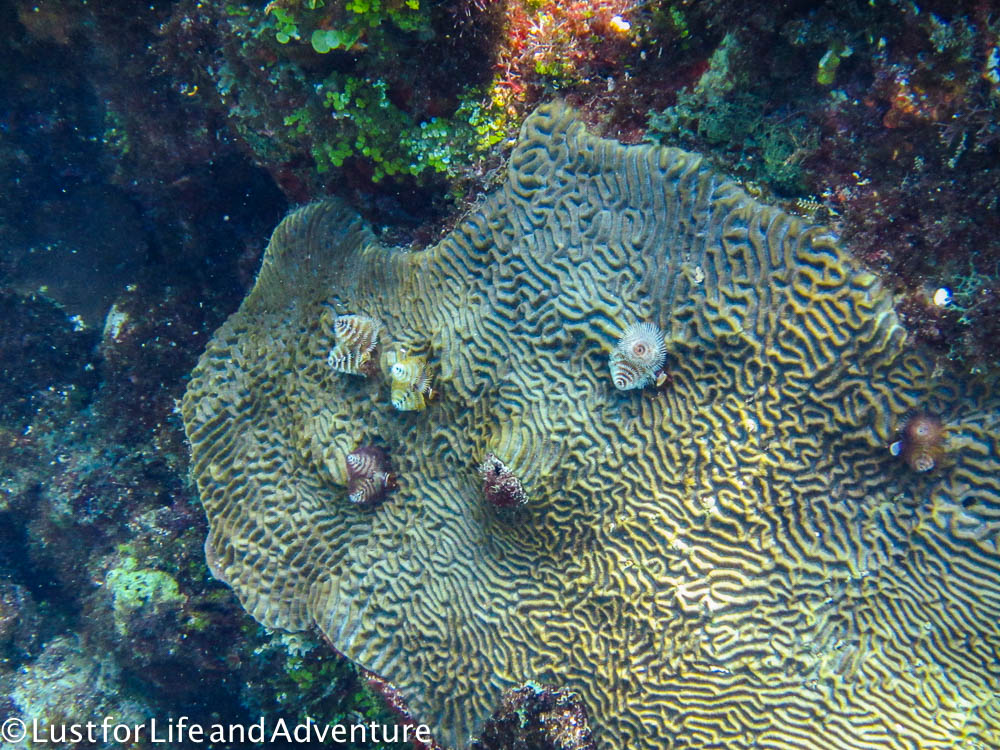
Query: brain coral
734	562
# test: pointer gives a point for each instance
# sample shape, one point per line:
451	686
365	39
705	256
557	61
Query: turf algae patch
733	561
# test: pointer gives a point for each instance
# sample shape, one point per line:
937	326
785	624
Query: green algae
359	109
826	71
369	126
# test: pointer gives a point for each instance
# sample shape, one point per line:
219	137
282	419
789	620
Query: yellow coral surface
734	561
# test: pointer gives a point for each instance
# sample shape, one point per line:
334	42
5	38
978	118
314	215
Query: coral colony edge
650	464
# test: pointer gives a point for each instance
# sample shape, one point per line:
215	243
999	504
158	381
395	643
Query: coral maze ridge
734	561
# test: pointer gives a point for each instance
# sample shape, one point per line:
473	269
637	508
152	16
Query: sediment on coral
740	545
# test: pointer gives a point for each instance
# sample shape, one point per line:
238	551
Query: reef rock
539	718
734	562
20	623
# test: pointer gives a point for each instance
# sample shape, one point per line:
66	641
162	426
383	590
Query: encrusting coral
727	562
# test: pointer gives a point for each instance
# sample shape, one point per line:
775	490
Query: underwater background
148	151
